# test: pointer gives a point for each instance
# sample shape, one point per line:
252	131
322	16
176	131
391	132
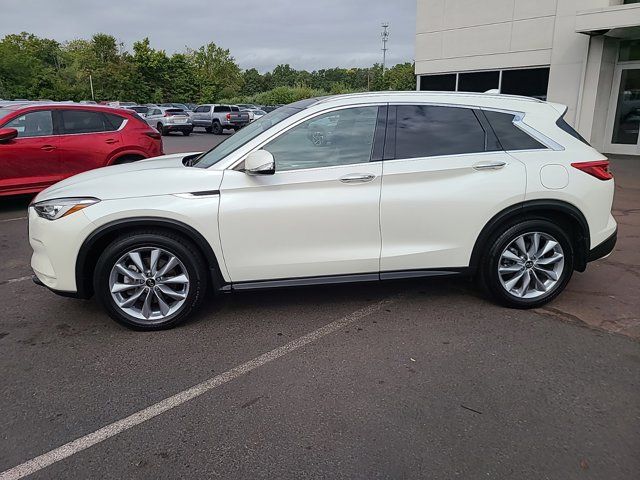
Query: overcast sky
260	33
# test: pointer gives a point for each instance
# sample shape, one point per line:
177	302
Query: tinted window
442	83
79	121
235	109
222	108
342	137
530	82
113	122
206	109
478	81
510	136
426	131
34	124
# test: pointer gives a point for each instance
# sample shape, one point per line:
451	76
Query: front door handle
111	141
47	148
358	178
489	165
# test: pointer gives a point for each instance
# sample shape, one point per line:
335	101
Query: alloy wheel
531	265
149	283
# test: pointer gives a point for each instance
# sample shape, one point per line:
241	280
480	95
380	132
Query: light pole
385	37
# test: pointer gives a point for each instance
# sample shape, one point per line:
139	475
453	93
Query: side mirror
260	162
7	134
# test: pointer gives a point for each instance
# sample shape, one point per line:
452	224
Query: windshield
251	131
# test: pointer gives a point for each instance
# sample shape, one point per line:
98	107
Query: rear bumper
603	249
179	127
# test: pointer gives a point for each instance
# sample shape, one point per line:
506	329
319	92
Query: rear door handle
47	148
358	178
110	141
489	165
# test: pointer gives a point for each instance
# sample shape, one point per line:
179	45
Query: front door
623	126
32	160
318	215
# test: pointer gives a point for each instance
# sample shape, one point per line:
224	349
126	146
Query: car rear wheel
150	280
528	264
186	133
216	128
163	131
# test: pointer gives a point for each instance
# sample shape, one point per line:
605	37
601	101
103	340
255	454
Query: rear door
32	160
88	139
444	177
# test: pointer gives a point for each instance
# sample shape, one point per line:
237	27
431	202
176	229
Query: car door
445	176
32	160
317	215
88	140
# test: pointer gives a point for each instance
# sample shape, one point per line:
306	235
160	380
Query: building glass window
478	81
529	82
629	50
627	121
438	83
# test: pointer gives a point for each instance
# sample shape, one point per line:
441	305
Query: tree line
40	68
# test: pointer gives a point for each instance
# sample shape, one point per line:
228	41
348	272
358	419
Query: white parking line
108	431
14	280
12	219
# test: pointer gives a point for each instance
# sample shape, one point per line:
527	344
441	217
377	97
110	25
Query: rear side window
114	122
427	131
33	124
79	121
221	108
562	123
509	135
235	109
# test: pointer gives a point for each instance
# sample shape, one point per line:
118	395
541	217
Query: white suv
407	184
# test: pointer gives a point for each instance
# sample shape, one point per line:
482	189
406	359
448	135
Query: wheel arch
95	243
554	210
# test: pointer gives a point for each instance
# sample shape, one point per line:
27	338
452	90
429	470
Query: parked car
491	186
41	144
167	120
88	102
181	106
247	106
254	113
215	118
139	109
119	104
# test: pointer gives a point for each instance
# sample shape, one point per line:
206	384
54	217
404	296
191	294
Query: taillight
154	135
598	169
167	114
228	116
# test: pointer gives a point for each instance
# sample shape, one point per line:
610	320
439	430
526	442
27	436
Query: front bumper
55	247
603	249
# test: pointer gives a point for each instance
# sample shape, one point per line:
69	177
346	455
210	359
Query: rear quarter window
563	125
509	135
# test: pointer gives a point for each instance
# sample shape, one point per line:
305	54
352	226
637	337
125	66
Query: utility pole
385	37
91	83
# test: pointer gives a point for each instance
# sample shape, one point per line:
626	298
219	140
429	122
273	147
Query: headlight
61	207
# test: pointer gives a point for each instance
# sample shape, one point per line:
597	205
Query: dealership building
582	53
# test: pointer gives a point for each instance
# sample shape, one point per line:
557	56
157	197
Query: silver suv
215	118
167	119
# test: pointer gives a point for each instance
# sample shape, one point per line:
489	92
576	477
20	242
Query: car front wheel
528	264
150	280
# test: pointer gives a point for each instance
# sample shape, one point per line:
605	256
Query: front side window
33	124
79	121
509	135
342	137
427	131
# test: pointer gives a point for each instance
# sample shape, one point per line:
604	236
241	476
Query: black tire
186	133
216	128
489	277
163	131
178	246
207	129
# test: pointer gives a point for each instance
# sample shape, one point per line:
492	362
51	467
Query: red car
40	144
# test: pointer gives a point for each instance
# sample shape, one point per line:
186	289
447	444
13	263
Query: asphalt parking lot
419	379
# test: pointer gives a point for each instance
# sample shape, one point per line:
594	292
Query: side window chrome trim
275	135
518	121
